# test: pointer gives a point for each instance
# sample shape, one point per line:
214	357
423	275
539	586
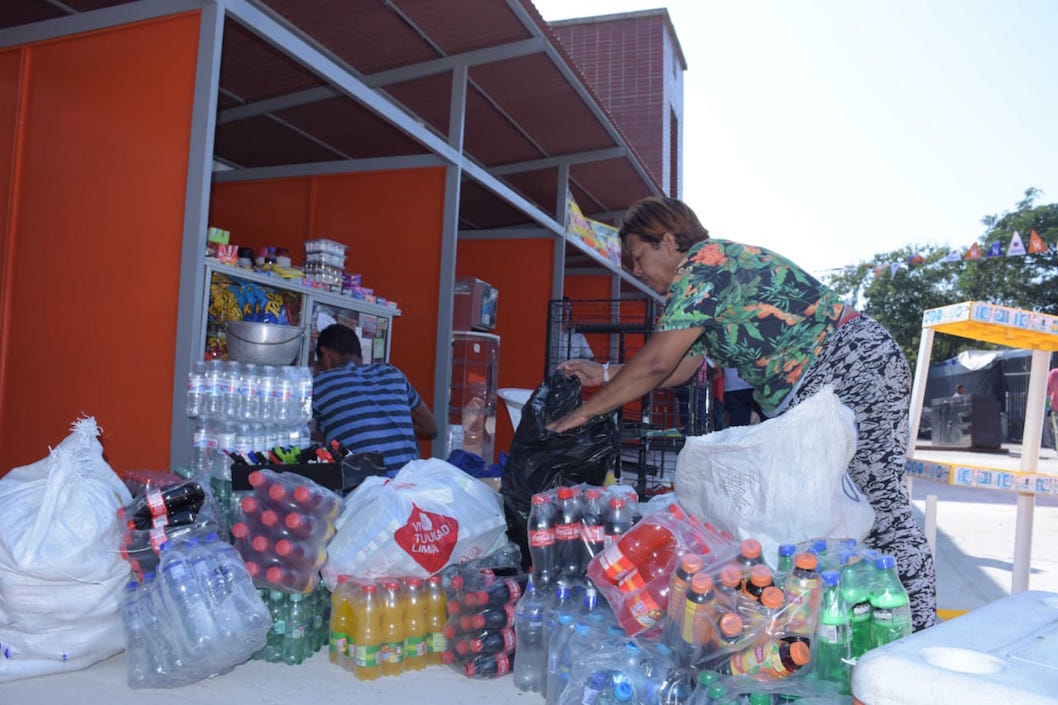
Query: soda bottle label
644	610
367	656
437	642
861	611
833	633
542	538
157	537
155	502
593	533
339	642
514	589
889	615
567	532
391	652
631	582
415	646
614	564
279	626
503	664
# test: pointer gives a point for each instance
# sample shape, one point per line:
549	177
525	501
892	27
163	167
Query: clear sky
834	130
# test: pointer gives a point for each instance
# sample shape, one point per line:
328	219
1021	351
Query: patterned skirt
870	375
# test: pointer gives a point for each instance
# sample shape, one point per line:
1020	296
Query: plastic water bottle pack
198	616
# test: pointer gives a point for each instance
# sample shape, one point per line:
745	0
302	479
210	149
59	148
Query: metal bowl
263	343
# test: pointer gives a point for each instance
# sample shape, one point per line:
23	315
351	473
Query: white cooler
1004	652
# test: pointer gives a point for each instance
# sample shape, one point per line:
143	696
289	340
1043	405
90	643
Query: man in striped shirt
367	407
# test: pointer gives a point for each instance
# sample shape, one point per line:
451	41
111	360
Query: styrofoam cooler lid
1004	652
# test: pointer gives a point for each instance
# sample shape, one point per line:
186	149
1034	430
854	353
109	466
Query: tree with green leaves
897	296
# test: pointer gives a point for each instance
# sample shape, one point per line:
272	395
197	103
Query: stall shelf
1012	327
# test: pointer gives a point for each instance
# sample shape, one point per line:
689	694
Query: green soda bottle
785	563
857	572
833	646
890	607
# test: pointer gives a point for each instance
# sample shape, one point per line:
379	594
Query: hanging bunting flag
953	255
893	268
1016	248
994	250
916	259
1036	244
974	252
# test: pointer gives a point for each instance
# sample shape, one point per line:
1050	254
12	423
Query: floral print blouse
760	313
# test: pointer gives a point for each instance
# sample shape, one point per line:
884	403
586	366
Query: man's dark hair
341	339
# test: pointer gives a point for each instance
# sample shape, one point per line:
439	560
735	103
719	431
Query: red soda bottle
643	544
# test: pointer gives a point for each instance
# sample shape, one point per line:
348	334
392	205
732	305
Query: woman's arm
660	360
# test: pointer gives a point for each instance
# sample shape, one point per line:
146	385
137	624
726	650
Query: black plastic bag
541	460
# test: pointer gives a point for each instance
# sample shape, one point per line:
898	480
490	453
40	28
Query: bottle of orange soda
415	625
368	632
436	616
391	650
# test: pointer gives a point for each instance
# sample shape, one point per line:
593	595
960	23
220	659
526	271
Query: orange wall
391	221
98	224
521	272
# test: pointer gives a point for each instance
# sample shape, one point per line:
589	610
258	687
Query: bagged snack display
428	516
61	577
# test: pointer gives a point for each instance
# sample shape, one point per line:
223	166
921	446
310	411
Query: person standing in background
1052	403
369	408
739	403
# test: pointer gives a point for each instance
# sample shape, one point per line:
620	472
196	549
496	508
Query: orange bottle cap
772	598
691	563
760	575
751	548
701	583
800	653
731	576
730	624
806	561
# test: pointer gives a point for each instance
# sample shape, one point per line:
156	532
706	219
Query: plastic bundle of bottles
568	526
633	572
221	390
300	625
480	630
198	616
163	514
386	627
284	530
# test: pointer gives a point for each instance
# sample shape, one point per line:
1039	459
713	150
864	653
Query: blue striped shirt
368	408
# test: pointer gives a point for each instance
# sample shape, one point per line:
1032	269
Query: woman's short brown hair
650	218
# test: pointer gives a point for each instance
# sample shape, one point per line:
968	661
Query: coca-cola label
157	522
510	611
508	640
542	538
593	533
157	537
155	503
429	538
567	532
503	664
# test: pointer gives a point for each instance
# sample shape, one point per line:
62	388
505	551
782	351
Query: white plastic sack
430	515
784	480
61	576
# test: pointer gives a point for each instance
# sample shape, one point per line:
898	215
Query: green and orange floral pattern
759	313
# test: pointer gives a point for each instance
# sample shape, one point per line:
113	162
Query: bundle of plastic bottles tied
161	514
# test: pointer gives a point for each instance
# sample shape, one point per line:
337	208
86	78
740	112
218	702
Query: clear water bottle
187	602
139	652
214	406
229	389
171	652
304	394
196	389
561	602
530	659
200	447
220	460
266	393
284	397
259	437
559	658
249	398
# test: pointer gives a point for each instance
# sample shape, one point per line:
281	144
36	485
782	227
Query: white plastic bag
784	480
430	515
61	576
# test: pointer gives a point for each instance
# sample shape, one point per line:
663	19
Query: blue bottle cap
820	546
787	549
131	586
579	628
884	562
831	578
565	618
599	679
622	691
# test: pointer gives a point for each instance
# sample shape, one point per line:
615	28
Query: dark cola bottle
592	522
569	540
494	642
493	619
542	551
187	496
617	521
488	666
498	594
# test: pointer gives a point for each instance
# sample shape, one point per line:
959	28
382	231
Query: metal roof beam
516	233
596	155
385	78
343	166
103	18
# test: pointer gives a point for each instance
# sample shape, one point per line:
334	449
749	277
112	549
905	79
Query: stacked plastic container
325	263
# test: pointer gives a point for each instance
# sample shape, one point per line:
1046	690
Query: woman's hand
590	373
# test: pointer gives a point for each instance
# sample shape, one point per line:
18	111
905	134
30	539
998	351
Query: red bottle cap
617	503
269	518
593	493
302	493
283	547
434	580
253	569
250	505
806	561
751	549
463	648
457	581
564	493
368	588
448	656
274	574
476	621
449	630
256	479
277	492
541	498
294	520
453	607
414	582
260	544
240	530
691	563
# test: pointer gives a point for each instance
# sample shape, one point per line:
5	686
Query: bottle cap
434	580
260	544
391	585
448	656
294	520
302	493
806	561
772	598
343	578
691	563
283	547
541	498
277	492
751	548
449	630
240	530
831	578
701	583
274	574
730	624
884	562
471	622
622	691
617	503
256	479
564	493
463	647
593	493
800	653
253	569
368	588
730	576
820	547
760	575
269	518
249	505
414	582
787	549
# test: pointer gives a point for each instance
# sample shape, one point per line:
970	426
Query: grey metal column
558	266
189	329
449	240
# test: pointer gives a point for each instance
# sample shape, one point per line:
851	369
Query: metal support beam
190	341
449	243
344	166
558	264
95	20
597	155
518	233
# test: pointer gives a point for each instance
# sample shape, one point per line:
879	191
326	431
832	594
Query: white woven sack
429	515
61	576
784	480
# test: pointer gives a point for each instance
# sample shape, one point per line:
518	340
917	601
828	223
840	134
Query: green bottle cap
707	678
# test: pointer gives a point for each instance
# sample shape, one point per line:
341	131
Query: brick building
634	62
